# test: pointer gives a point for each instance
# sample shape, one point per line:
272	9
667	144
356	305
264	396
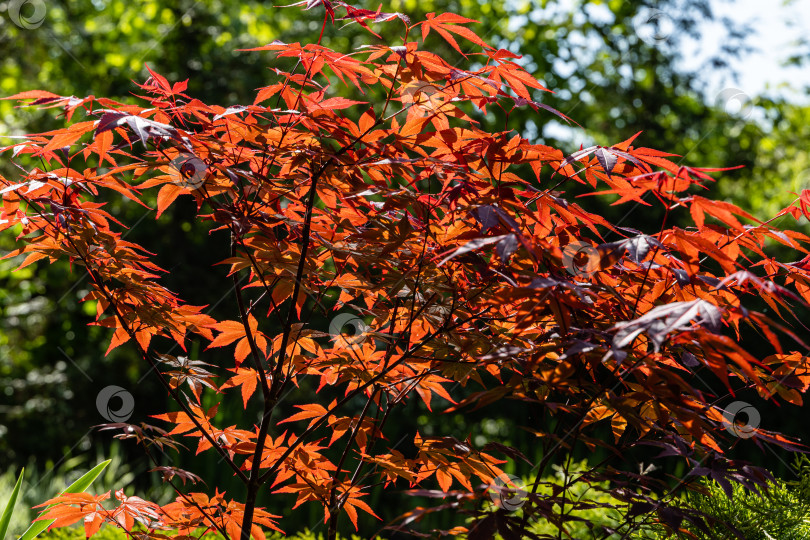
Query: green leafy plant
779	511
37	527
79	486
591	508
5	518
776	513
42	479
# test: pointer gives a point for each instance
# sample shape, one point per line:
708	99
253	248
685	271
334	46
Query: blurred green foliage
780	161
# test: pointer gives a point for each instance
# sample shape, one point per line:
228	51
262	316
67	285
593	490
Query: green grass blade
6	517
78	486
84	482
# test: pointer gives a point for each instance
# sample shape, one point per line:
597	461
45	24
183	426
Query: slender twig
99	283
334	506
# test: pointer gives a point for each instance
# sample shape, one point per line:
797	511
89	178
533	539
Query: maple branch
271	399
143	353
361	388
254	349
255	481
649	267
376	435
185	497
267	288
548	454
333	518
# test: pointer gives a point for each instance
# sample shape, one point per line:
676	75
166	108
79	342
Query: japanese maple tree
476	278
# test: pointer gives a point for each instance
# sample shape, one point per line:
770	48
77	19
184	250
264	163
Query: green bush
781	513
608	511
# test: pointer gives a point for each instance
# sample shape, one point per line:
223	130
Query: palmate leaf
170	472
246	378
144	128
360	16
660	321
447	24
472	245
65	510
636	247
607	157
190	372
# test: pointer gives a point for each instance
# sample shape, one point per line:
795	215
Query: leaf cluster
469	284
